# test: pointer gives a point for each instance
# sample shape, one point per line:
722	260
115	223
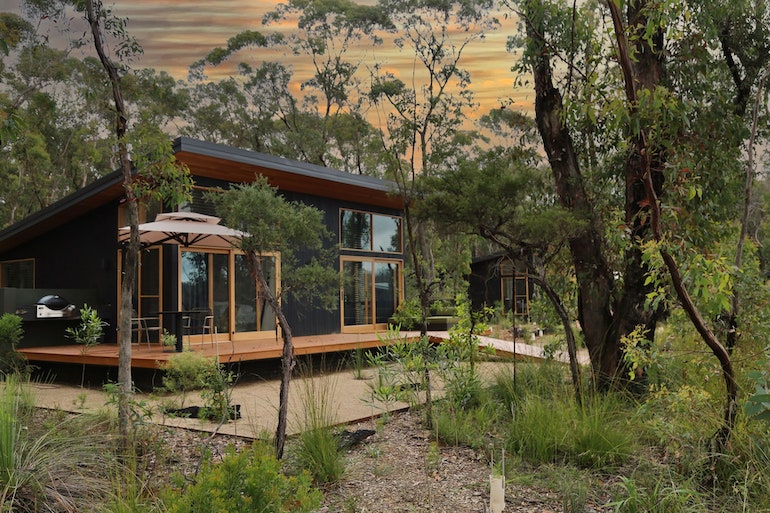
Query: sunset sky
176	33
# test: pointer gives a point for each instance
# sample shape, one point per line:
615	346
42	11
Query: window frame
4	263
370	249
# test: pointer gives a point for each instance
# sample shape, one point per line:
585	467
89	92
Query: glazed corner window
18	274
370	232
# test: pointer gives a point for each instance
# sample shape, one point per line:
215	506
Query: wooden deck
152	357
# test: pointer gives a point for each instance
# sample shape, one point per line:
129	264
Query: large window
370	232
18	274
371	292
515	289
220	283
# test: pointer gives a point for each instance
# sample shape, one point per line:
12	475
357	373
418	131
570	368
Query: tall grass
664	495
471	427
317	449
555	429
57	468
513	383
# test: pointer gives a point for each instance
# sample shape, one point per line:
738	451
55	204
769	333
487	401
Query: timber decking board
250	350
239	351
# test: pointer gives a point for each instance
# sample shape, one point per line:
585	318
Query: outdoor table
178	316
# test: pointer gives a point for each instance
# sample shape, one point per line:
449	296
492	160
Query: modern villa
70	253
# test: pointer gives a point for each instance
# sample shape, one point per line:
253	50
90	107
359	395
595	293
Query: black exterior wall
74	242
82	255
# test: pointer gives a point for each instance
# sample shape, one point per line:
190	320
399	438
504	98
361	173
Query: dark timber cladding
73	247
236	165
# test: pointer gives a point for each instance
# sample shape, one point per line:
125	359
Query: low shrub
407	316
11	331
247	481
185	372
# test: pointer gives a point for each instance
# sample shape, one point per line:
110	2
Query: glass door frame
399	298
137	306
231	335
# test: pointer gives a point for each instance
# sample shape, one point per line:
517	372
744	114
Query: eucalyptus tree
12	30
63	103
159	176
273	225
519	213
423	115
41	88
665	141
324	122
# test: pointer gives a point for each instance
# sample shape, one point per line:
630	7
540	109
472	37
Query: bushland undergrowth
614	451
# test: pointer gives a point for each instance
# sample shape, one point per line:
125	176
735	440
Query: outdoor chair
208	327
145	325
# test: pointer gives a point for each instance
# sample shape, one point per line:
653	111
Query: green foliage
217	394
556	430
664	496
640	355
11	332
542	313
513	384
89	332
161	177
247	481
139	411
49	464
758	403
470	427
277	226
167	338
319	453
187	371
408	315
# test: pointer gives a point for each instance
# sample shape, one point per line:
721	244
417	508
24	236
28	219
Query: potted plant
168	340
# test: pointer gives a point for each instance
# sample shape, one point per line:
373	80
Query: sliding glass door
205	287
221	284
371	292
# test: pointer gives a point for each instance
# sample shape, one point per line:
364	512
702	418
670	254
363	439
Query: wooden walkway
242	351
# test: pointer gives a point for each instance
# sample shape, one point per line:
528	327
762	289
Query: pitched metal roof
219	162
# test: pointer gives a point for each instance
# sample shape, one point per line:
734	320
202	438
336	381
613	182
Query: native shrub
247	481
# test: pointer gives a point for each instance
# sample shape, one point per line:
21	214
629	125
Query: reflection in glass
195	280
251	312
219	287
355	230
205	286
386	234
357	303
386	290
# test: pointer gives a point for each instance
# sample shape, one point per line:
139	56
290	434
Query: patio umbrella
186	229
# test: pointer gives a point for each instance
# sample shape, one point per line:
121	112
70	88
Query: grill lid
53	302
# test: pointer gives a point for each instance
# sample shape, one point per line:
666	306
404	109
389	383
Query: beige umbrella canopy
186	229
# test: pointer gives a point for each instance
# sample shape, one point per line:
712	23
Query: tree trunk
593	277
646	156
631	311
569	334
288	361
131	255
